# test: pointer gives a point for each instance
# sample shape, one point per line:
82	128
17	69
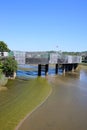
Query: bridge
43	59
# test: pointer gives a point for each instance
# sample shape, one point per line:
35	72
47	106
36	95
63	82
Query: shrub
9	66
3	80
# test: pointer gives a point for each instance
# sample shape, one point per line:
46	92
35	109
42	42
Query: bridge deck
45	58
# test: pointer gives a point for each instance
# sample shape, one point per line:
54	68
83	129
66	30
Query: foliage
71	53
3	47
9	66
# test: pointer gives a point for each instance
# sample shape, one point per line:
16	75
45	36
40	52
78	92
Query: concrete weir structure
44	59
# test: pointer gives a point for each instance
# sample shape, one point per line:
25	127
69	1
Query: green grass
82	66
19	99
85	64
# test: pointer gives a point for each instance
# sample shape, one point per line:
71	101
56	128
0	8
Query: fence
44	58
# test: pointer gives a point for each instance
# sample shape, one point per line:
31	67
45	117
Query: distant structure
84	57
43	59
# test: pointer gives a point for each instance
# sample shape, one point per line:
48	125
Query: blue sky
43	25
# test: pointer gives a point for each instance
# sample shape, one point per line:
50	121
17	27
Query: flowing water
32	71
66	108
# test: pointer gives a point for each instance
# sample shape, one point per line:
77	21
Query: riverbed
66	108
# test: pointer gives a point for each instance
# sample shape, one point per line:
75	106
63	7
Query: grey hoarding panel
53	58
36	61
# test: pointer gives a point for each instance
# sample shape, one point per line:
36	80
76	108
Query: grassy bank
20	98
82	66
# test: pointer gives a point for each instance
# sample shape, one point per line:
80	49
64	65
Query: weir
44	59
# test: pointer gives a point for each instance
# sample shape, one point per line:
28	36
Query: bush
3	80
9	66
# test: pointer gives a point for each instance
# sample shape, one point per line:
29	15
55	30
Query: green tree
3	47
9	66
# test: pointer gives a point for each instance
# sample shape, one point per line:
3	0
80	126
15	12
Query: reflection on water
83	75
66	108
33	71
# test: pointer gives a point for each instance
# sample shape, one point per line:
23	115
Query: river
66	108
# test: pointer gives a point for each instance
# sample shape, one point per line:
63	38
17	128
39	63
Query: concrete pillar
14	75
56	69
72	67
75	66
67	67
63	68
46	69
39	70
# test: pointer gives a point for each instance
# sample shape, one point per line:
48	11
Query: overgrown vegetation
7	66
3	47
7	69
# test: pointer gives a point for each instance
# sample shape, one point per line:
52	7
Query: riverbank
82	66
20	98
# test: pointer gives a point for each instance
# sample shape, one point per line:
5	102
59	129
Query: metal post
46	69
39	69
63	69
56	69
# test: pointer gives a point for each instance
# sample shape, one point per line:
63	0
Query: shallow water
33	71
66	108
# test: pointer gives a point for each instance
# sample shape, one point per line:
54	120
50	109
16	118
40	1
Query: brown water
65	109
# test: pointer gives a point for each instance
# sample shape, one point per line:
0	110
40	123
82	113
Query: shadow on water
33	71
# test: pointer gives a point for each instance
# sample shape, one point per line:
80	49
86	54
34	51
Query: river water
66	107
31	71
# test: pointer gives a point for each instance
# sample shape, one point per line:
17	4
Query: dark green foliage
3	47
71	53
9	66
